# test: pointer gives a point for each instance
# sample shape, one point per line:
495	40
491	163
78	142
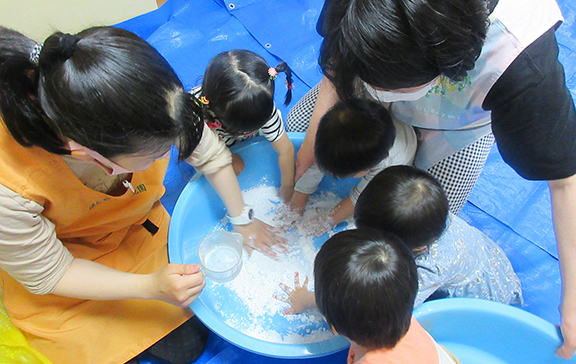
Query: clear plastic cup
220	254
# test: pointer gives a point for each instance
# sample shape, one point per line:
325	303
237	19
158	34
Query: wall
39	18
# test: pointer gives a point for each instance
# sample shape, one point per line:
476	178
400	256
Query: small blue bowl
486	332
197	212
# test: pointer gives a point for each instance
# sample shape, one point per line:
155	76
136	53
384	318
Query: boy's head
406	201
352	140
365	285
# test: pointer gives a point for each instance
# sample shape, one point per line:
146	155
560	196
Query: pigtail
19	106
283	67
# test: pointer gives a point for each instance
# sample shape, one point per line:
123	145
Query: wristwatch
245	218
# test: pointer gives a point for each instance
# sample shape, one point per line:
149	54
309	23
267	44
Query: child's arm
306	186
302	190
343	211
285	150
325	220
214	159
298	201
299	298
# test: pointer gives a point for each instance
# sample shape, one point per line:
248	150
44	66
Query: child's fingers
288	311
286	289
249	248
296	279
280	297
274	229
267	250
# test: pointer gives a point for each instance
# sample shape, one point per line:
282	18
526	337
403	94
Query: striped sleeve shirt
272	130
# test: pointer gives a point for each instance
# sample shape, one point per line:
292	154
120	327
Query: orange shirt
416	347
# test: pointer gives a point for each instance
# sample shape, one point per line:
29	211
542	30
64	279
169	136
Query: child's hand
319	224
260	236
285	217
299	298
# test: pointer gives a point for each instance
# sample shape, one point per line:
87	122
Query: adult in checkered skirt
462	73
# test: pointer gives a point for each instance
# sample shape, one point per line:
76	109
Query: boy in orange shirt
366	282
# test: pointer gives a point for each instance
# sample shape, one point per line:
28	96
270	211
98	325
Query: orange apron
97	227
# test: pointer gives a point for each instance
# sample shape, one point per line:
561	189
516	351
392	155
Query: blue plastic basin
486	332
199	210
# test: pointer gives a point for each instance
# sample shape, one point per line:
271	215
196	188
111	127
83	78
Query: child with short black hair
366	281
357	141
237	94
454	259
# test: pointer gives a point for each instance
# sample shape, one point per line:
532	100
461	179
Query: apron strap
149	225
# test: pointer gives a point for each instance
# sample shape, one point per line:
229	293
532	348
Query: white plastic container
220	254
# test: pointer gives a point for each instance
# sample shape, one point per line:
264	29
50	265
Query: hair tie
272	73
35	54
68	44
203	100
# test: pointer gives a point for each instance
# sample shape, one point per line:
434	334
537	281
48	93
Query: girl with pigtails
238	97
88	122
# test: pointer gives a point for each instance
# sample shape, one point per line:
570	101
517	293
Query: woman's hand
299	298
262	237
177	284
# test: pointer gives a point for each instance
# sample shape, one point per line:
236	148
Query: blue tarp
512	211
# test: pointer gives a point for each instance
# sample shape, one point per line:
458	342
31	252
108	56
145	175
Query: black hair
352	139
406	201
105	88
240	91
365	286
394	44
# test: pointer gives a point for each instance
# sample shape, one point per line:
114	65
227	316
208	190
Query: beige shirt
31	252
211	154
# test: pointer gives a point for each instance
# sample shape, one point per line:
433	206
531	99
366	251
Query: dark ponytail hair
105	88
394	44
240	90
19	104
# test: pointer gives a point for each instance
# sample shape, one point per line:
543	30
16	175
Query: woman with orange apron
87	123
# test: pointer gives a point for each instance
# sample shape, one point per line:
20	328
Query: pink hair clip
272	73
289	86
